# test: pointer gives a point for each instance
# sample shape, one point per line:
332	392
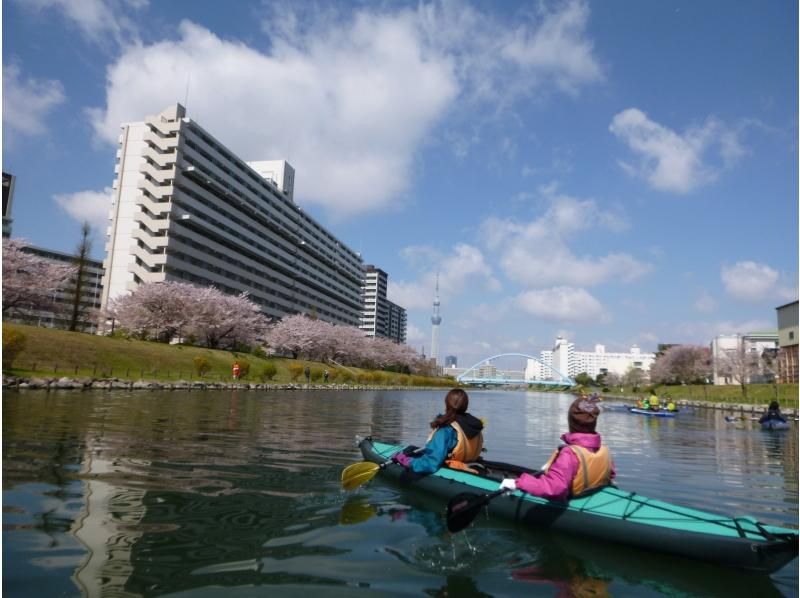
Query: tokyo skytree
436	319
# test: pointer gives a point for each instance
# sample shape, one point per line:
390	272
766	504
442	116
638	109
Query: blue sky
616	172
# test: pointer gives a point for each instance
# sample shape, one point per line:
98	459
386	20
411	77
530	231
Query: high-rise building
451	361
379	316
8	199
185	208
436	319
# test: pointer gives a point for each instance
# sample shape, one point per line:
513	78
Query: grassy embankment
56	353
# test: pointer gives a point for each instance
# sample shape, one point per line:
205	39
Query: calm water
151	494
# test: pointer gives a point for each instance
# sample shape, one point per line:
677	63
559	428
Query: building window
791	335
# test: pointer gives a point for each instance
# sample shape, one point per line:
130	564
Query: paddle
360	473
463	508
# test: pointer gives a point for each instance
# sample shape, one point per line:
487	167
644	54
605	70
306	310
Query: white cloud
27	103
96	19
751	281
670	161
91	206
464	267
563	304
348	100
348	111
537	253
558	46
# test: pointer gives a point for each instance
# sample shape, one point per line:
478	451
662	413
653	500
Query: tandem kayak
652	413
611	515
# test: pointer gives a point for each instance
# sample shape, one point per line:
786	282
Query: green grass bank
52	353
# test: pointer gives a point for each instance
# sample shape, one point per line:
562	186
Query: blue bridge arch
559	379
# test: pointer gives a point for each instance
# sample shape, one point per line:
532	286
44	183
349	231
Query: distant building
8	199
185	208
451	361
565	359
738	346
787	342
60	316
379	316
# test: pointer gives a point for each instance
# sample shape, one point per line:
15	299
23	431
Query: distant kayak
652	413
774	424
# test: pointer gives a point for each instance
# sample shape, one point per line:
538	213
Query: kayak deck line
616	515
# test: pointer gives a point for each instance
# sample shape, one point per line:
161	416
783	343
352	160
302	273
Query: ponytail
456	402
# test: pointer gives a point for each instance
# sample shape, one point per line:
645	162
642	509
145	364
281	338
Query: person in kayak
456	438
583	464
772	414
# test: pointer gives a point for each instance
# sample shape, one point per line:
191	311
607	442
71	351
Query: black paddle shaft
463	508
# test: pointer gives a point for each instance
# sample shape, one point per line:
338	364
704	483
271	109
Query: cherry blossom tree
31	282
168	310
682	364
311	338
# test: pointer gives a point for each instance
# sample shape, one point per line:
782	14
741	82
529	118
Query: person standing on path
236	370
307	372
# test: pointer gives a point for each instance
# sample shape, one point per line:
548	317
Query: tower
436	319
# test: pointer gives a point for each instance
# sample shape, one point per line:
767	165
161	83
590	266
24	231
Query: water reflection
146	494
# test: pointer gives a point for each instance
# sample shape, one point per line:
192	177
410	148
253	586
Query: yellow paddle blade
358	473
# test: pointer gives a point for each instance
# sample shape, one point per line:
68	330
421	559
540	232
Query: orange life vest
466	449
594	469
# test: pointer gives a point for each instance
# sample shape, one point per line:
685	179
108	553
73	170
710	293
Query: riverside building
380	317
185	208
565	359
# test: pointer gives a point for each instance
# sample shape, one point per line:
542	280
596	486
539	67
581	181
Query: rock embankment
52	383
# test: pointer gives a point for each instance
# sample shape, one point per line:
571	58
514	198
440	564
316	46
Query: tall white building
186	208
380	317
567	360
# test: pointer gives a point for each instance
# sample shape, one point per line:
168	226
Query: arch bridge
470	376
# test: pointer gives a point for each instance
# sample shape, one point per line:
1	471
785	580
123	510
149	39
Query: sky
618	173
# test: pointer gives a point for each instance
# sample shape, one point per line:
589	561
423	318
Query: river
238	492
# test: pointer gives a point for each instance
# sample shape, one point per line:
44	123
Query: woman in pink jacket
580	466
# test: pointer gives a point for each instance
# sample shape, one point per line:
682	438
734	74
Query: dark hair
455	402
774	405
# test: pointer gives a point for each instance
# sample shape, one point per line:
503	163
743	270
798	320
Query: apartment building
379	316
185	208
564	358
63	300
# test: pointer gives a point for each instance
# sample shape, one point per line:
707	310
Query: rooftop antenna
186	95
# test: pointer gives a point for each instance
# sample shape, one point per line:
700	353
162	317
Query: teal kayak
610	514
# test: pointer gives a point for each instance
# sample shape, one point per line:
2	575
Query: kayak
611	515
652	413
774	424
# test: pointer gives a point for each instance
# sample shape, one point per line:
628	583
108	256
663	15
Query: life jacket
469	443
594	469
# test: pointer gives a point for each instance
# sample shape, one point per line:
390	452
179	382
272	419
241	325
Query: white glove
508	484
